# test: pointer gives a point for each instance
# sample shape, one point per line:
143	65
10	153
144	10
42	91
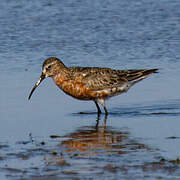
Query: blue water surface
124	34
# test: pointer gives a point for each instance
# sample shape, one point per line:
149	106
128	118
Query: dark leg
105	110
102	102
98	108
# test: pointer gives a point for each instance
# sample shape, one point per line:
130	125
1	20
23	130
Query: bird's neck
60	70
62	73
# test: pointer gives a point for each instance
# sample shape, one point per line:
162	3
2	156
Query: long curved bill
36	85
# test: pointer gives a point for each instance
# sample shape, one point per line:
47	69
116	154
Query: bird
90	83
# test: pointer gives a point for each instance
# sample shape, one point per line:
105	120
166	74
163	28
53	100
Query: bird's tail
138	75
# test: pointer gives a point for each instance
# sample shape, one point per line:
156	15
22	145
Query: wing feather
97	78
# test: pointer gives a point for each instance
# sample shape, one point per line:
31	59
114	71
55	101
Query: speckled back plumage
103	78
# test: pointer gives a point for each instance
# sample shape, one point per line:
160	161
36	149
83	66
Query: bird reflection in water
92	141
99	138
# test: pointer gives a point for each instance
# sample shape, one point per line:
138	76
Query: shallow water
53	136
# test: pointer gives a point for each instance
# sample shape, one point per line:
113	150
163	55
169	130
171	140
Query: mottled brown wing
98	78
103	78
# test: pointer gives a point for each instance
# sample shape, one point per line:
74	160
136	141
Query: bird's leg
105	110
98	108
102	102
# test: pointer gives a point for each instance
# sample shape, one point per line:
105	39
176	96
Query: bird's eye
49	67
